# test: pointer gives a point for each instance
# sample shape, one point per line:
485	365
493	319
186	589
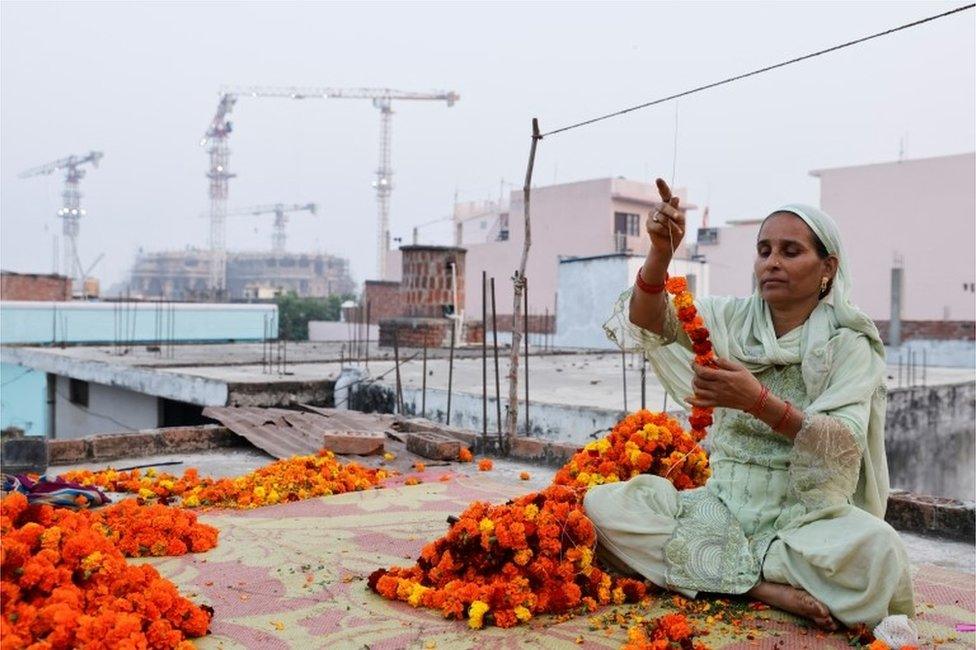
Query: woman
793	512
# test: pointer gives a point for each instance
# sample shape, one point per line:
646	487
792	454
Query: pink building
582	219
919	214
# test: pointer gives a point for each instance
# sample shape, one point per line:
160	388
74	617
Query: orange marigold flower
465	455
485	465
524	476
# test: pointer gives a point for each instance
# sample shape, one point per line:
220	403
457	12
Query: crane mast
71	210
219	175
382	99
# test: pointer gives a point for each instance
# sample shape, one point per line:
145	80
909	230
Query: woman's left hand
727	384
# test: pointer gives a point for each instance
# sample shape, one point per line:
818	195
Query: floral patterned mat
294	576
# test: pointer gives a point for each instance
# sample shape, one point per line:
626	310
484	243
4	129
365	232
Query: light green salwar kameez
806	512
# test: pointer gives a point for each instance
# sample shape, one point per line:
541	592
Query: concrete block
123	445
435	446
359	443
533	449
22	455
67	452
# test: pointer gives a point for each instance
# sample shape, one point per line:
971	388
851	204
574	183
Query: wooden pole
525	316
450	371
423	383
484	360
396	360
519	283
498	390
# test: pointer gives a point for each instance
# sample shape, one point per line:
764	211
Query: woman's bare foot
795	601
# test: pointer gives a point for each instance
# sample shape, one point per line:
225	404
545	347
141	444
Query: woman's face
788	268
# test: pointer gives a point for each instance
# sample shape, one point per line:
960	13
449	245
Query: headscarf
742	330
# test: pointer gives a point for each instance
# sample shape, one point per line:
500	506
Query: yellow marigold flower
191	501
51	538
603	445
92	562
146	493
416	594
167	484
590	446
531	511
151	472
522	557
587	558
618	596
273	496
476	614
388	456
522	613
486	525
259	492
584	478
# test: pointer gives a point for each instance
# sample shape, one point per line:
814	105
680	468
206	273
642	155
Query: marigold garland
663	633
66	585
291	479
694	326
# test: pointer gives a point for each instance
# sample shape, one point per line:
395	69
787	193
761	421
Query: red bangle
760	404
650	288
782	420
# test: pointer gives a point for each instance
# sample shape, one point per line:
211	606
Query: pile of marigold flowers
291	479
505	564
151	530
65	584
641	443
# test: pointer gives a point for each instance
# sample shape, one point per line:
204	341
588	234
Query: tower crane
71	210
382	99
280	211
216	140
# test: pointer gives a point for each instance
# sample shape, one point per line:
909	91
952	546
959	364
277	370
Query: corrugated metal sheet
283	433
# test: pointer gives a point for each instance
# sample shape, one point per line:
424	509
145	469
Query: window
78	392
626	223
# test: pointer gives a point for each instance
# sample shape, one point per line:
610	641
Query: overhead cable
729	80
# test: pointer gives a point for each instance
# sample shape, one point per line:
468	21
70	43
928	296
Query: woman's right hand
667	217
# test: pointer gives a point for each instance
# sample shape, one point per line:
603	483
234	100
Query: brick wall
30	286
414	332
427	283
537	323
936	330
384	299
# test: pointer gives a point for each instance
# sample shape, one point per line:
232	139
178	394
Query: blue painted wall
23	392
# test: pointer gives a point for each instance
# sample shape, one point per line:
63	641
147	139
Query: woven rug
294	576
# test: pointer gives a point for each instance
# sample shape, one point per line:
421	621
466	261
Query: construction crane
71	210
382	99
280	211
216	140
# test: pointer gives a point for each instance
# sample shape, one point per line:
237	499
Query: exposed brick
528	448
32	286
427	284
109	446
937	330
435	446
196	438
359	443
67	452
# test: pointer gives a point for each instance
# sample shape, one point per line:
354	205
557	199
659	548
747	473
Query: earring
823	284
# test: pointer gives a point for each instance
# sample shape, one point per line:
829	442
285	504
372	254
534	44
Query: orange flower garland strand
291	479
693	325
66	585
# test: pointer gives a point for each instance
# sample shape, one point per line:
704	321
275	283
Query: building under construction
184	275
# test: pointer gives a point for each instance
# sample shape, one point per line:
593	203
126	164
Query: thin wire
760	70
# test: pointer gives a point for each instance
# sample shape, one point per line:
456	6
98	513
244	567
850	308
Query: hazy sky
139	82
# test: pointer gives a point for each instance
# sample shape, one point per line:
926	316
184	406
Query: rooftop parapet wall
428	287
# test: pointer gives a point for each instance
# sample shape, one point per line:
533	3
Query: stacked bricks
427	286
415	332
933	330
384	299
31	286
